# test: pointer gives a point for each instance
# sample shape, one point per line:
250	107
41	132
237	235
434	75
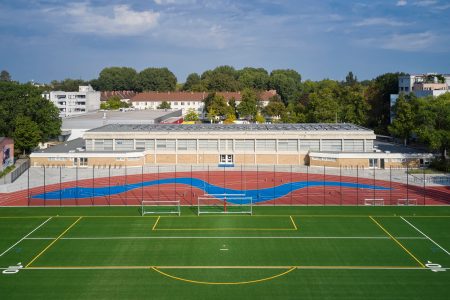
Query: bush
441	164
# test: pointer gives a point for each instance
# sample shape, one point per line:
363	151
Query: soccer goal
374	201
224	204
407	201
157	207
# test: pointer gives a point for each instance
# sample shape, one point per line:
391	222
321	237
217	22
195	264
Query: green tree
114	103
4	76
403	123
218	104
26	134
260	119
353	104
378	97
116	79
248	107
233	106
67	85
254	78
286	86
193	81
275	108
212	115
434	126
156	79
191	115
164	105
221	79
323	106
230	119
350	79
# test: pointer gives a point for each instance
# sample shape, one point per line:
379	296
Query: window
373	162
226	158
287	145
75	161
208	145
369	145
145	144
120	158
354	145
266	145
187	145
165	145
133	158
89	145
124	145
244	145
309	145
83	161
332	145
103	145
226	145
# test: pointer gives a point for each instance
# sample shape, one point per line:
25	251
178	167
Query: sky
44	40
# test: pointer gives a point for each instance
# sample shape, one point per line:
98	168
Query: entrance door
373	162
382	163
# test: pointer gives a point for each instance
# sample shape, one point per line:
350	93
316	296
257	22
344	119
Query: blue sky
43	40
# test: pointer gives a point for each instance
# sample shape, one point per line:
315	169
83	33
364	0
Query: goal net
160	207
224	204
374	202
407	201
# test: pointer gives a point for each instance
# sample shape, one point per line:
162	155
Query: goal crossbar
224	204
407	201
160	207
374	201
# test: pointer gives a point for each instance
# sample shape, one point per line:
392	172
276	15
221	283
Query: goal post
374	201
407	201
156	207
224	204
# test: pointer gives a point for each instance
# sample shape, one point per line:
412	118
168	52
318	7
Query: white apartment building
75	103
421	85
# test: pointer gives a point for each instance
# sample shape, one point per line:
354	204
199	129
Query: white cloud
380	22
425	3
169	2
402	3
119	20
410	42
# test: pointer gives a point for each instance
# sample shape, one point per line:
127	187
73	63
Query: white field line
229	237
26	236
230	267
425	235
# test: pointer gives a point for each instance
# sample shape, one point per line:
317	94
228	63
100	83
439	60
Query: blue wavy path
259	195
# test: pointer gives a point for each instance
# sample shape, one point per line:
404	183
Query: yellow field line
224	229
54	241
223	283
293	223
400	244
156	223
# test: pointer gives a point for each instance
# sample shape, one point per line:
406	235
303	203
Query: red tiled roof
193	96
104	96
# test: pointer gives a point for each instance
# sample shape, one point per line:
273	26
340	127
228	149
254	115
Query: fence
267	185
21	166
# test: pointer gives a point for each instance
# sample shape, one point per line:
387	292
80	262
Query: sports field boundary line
54	241
23	238
156	223
442	248
228	267
293	223
398	243
229	237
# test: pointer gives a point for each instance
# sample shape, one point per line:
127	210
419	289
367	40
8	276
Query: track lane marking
54	241
26	236
398	243
442	248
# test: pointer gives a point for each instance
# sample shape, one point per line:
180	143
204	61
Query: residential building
189	100
75	103
332	145
124	96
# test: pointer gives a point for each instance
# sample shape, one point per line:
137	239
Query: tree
191	115
218	104
114	103
211	115
156	79
286	86
116	79
164	105
26	134
378	97
230	119
275	108
353	104
248	107
257	79
260	119
403	123
4	76
350	79
433	127
221	79
67	85
192	82
323	106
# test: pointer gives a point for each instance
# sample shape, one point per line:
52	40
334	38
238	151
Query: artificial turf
279	252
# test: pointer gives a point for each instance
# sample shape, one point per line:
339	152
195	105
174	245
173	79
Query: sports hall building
332	145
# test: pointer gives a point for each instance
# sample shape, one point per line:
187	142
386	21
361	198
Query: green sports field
279	252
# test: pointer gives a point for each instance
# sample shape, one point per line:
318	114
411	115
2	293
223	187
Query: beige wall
166	158
208	158
266	159
187	158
